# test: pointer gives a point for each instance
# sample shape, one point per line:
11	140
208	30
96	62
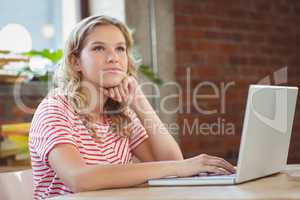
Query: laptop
265	138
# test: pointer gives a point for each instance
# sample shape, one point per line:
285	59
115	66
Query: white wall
70	16
34	15
112	8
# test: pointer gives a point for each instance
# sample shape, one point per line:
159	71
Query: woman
85	133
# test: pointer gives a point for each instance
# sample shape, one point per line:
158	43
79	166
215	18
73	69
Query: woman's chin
111	83
112	80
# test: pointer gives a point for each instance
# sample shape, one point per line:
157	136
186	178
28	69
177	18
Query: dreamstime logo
279	119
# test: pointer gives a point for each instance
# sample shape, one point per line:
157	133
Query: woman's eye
120	49
99	48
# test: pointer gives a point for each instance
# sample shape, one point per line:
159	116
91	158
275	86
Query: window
47	21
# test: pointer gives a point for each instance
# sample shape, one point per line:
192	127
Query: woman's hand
125	92
204	163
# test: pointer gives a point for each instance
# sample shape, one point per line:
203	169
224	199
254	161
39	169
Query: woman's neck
96	101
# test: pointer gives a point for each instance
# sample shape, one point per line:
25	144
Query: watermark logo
279	104
193	102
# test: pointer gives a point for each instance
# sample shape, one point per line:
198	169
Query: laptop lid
266	131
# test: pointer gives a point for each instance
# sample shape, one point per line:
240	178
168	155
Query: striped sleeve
138	132
50	127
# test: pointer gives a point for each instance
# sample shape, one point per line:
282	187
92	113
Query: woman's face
103	60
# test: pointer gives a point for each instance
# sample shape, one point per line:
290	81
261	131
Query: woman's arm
163	145
160	142
71	168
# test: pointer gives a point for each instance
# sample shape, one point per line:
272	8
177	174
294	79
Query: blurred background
212	49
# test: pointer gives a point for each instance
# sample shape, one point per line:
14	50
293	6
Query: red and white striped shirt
55	122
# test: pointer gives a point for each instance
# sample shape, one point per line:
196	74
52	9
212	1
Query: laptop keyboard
206	176
213	176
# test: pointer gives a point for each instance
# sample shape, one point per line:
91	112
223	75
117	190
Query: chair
14	129
16	185
14	143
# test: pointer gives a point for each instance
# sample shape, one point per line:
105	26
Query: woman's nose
111	57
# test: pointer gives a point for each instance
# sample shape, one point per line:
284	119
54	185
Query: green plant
148	72
55	56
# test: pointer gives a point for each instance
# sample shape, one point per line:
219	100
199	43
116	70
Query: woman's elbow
83	182
76	183
177	157
170	156
174	152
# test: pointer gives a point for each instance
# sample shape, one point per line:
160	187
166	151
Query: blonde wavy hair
69	80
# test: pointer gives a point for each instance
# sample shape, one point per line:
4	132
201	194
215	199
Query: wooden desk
4	169
279	186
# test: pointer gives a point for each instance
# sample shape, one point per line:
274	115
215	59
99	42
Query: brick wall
234	43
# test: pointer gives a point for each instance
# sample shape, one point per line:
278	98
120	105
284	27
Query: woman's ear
75	63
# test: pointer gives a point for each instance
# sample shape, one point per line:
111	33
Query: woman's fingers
229	165
220	163
224	163
213	170
131	85
205	164
213	161
124	92
124	96
106	92
117	93
125	85
111	93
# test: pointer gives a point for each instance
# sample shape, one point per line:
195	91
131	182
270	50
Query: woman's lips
113	70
